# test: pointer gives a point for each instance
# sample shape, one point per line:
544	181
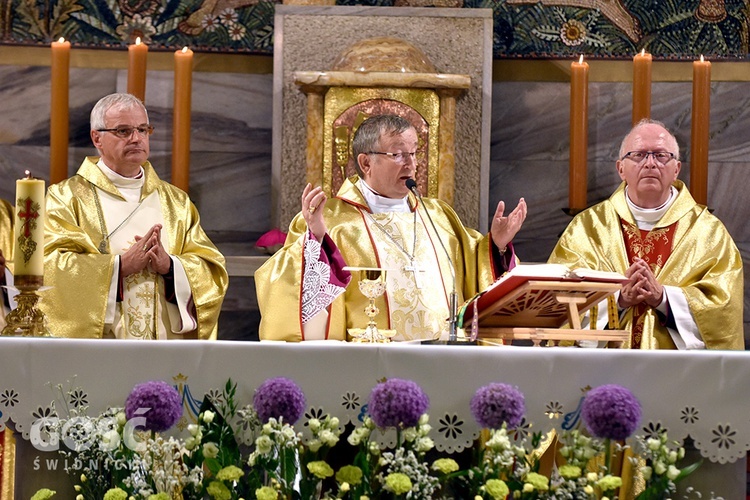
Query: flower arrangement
255	452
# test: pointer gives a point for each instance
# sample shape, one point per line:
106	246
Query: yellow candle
700	130
579	131
28	233
183	81
641	86
59	121
137	53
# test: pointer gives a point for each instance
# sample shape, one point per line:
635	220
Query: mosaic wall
669	29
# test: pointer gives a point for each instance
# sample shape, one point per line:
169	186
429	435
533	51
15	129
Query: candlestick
137	57
641	86
28	259
183	78
59	121
579	103
699	132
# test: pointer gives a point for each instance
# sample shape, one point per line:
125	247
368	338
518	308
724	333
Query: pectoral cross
413	268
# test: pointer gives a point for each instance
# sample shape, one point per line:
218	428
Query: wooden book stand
538	310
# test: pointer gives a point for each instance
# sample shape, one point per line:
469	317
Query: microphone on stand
453	318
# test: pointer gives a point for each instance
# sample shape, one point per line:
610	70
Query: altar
702	394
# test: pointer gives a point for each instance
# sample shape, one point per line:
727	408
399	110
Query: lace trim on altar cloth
318	292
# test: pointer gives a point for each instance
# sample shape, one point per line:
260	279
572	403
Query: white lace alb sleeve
317	290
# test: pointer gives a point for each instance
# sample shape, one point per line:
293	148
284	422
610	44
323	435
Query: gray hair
642	123
120	100
367	136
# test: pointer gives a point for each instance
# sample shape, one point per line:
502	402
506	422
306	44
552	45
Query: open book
510	282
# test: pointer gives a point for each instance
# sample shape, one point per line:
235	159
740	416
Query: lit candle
28	240
137	53
641	86
59	121
183	79
700	130
579	131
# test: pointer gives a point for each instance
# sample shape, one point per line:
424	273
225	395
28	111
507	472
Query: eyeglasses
397	157
661	157
124	132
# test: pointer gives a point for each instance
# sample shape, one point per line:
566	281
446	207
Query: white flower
653	444
264	444
333	423
314	424
646	471
659	467
193	429
210	450
344	487
588	489
410	434
592	477
190	443
424	445
673	472
672	457
208	416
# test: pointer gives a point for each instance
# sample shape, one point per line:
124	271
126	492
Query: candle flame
28	174
184	50
701	57
580	59
138	40
61	40
643	52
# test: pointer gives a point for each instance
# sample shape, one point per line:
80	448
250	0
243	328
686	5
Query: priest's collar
119	180
648	217
379	204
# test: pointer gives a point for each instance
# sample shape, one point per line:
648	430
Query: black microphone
411	184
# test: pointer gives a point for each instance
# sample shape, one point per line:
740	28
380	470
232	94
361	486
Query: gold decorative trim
8	461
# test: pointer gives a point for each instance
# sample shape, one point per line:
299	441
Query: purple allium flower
397	402
163	402
496	403
611	412
279	398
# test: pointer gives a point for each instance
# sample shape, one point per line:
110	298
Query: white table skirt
701	394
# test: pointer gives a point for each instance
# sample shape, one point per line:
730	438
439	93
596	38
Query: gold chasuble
688	248
292	286
88	223
7	218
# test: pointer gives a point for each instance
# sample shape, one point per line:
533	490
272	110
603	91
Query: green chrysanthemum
497	488
116	494
266	493
320	469
219	491
230	473
349	474
398	483
43	494
570	471
445	465
609	483
537	481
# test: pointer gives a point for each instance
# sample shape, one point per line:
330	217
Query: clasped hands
640	287
146	251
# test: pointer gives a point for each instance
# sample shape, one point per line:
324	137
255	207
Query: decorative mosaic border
668	29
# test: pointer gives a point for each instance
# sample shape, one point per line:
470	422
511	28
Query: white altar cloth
703	394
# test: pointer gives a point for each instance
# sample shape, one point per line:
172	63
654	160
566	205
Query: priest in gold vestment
375	221
7	220
125	254
686	277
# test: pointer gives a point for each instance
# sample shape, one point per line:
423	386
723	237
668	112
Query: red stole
654	247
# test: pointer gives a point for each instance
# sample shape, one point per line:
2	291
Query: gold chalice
372	284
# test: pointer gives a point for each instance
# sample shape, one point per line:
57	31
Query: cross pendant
415	270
